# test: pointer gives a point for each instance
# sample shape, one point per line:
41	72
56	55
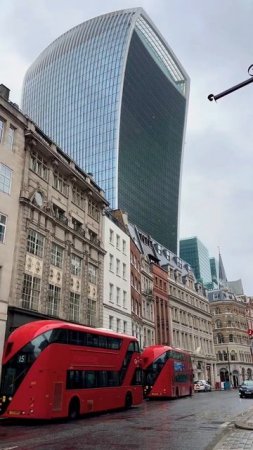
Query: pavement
239	434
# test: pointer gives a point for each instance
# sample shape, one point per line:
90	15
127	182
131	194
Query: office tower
112	93
214	266
193	251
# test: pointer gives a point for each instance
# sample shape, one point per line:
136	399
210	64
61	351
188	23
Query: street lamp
229	373
212	97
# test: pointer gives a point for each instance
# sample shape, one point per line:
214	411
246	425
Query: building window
124	271
220	338
39	166
56	255
111	292
118	325
5	179
218	324
54	295
118	296
111	237
111	322
91	312
10	138
31	292
92	273
3	220
125	327
78	226
74	306
76	265
1	129
118	267
78	197
60	184
124	299
59	214
35	243
93	210
117	241
124	246
111	263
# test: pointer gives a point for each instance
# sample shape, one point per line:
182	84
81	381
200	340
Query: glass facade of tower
113	96
214	265
193	251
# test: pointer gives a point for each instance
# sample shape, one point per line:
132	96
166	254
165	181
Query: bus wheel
128	401
74	409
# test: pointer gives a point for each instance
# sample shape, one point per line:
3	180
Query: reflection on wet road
184	424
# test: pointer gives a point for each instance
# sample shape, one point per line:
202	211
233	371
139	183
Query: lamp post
229	373
216	97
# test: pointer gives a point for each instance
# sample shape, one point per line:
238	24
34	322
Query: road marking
223	425
9	448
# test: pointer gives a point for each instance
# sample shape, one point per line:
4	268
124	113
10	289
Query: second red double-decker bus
55	369
167	372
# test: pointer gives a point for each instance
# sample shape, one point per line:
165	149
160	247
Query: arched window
233	356
220	358
231	338
218	323
225	355
220	338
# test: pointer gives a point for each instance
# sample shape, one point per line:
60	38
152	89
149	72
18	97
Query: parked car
246	389
202	386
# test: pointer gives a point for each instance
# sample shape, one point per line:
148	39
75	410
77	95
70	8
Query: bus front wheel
128	401
74	409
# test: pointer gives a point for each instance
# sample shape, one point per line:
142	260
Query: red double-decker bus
55	369
167	372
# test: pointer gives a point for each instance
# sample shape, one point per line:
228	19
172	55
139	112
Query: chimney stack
4	92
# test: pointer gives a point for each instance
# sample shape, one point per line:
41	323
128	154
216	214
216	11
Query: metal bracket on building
216	97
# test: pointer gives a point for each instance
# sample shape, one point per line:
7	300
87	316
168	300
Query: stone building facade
12	156
186	312
53	230
191	318
148	303
162	305
231	339
136	299
117	290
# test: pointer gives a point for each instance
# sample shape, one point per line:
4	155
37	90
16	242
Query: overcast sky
213	41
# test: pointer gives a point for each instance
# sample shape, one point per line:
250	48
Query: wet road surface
195	423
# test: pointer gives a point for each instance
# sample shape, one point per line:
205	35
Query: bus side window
114	343
59	335
75	379
90	379
113	378
102	378
102	341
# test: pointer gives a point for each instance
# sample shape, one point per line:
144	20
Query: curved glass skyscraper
112	94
